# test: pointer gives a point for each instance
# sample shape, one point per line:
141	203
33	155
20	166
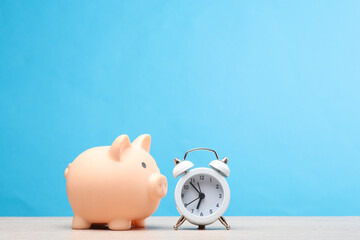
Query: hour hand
194	187
197	207
201	196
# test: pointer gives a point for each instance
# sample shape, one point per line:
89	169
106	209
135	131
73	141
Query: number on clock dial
205	189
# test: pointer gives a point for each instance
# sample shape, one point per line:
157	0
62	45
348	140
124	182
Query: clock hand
187	204
194	187
201	195
197	207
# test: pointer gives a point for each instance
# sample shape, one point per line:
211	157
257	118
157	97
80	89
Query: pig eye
143	164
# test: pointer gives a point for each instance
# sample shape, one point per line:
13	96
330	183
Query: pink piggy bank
119	185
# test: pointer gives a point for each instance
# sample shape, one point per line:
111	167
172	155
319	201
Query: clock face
202	195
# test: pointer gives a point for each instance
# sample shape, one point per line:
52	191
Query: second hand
187	204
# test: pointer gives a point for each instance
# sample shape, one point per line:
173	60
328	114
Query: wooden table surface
344	228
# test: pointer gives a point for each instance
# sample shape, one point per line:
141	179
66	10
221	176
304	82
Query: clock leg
222	220
201	227
179	222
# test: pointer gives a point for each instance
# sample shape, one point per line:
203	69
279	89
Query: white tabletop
344	228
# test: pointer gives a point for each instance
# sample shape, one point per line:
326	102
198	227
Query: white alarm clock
202	195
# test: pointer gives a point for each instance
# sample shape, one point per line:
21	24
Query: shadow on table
103	226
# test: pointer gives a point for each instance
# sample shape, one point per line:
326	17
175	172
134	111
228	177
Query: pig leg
140	223
80	223
120	224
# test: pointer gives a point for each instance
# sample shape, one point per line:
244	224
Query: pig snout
157	186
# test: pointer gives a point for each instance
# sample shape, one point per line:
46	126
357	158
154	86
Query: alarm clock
202	195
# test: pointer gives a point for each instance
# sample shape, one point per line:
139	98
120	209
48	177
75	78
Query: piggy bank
118	185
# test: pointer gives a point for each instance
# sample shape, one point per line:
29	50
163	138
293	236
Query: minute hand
201	195
194	187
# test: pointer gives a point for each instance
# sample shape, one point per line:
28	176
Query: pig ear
120	144
143	141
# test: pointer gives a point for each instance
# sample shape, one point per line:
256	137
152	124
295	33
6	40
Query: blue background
273	85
